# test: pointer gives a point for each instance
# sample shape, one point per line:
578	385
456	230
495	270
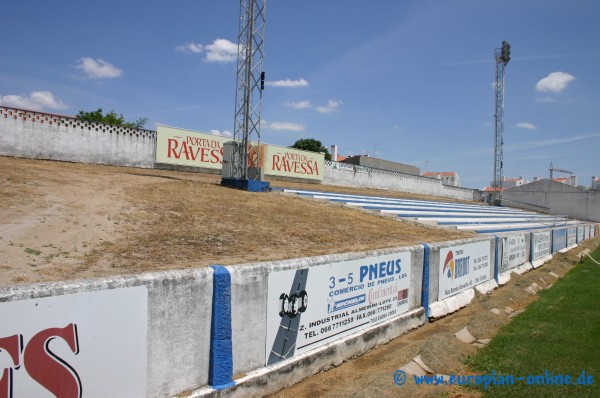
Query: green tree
312	145
111	118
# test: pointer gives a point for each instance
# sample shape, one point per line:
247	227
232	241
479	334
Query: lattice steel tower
250	85
502	56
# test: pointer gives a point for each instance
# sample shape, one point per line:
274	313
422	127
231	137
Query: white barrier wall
331	283
36	135
341	174
513	255
146	335
455	268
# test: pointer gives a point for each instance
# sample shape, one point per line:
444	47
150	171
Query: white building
447	177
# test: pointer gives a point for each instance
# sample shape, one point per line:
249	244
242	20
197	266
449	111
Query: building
596	183
513	182
447	177
572	181
554	197
367	161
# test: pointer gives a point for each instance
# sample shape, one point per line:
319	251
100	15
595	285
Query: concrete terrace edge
270	379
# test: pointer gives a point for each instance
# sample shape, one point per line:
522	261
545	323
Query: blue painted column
496	266
220	372
425	287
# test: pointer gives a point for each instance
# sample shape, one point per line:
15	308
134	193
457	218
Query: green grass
559	333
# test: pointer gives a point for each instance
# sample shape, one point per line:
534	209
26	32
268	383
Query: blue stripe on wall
220	372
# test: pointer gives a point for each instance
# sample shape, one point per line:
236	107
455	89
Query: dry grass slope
88	220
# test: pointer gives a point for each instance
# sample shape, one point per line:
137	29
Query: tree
111	118
312	145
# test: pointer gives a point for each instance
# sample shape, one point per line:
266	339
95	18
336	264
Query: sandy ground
371	375
62	221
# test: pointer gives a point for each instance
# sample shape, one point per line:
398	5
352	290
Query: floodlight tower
502	56
241	166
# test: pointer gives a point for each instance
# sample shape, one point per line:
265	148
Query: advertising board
289	162
310	307
559	239
463	267
189	148
89	344
514	252
571	236
541	245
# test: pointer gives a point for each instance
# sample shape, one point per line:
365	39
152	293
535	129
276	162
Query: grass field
558	334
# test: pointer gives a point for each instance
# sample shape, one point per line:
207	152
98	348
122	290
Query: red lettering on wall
171	147
13	345
45	367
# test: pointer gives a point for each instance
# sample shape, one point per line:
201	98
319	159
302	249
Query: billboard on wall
540	247
559	239
586	233
310	307
514	252
579	234
571	236
289	162
196	149
86	344
463	267
189	148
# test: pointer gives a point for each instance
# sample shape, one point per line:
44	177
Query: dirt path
371	375
63	221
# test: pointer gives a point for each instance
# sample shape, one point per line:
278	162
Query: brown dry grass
145	220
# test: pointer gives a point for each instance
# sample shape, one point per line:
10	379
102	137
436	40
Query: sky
410	81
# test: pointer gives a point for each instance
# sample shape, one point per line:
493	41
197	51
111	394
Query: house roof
490	189
439	173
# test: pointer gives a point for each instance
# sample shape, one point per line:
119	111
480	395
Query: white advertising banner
289	162
463	267
310	307
77	345
189	148
586	234
541	246
514	252
571	237
579	234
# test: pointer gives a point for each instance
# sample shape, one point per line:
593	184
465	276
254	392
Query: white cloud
37	100
98	68
224	133
190	48
283	126
555	82
221	50
493	85
299	105
525	125
331	106
288	83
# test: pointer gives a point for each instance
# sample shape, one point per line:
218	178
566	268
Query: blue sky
411	81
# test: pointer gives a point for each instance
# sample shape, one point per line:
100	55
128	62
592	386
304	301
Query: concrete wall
555	198
382	164
440	305
38	135
179	317
341	174
249	296
180	337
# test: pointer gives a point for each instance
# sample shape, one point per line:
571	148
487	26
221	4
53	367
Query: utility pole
502	56
243	159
